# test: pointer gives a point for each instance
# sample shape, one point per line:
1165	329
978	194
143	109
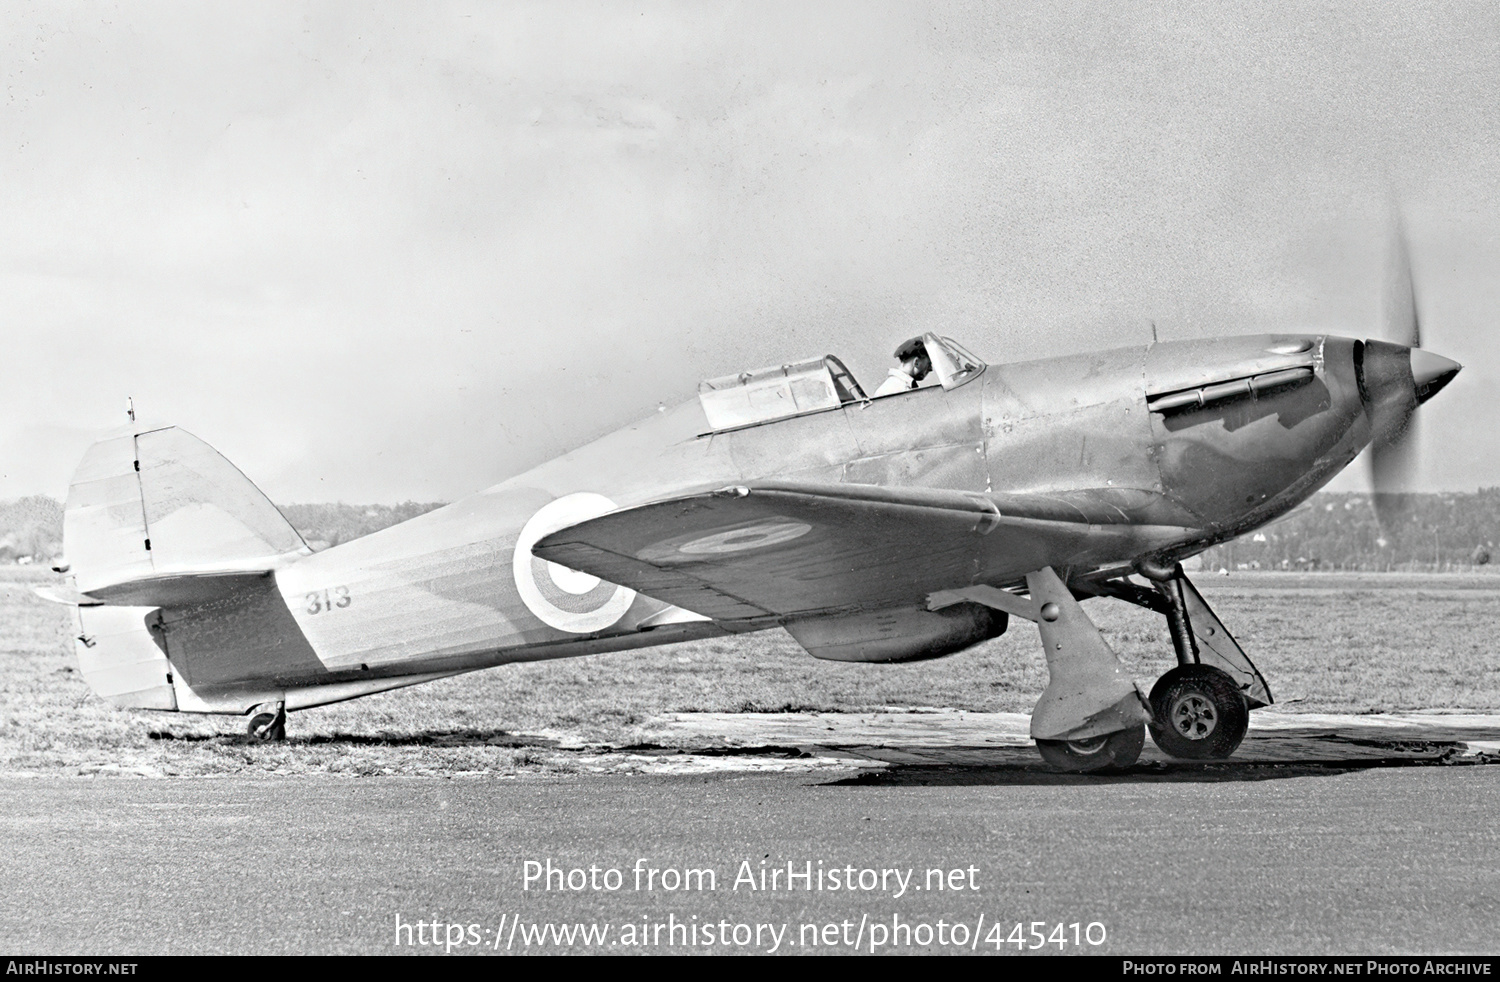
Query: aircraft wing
786	549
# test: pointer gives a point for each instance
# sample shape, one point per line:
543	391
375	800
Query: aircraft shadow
1039	774
1260	758
1264	759
428	738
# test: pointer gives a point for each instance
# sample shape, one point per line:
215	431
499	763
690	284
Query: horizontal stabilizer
177	589
60	594
157	517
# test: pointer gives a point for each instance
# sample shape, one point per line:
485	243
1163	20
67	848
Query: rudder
121	657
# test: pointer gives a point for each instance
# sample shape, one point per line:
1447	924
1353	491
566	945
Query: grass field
1326	642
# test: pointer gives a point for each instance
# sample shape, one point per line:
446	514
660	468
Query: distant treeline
1339	531
1330	531
31	528
328	525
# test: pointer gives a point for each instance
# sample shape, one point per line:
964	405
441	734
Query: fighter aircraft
885	528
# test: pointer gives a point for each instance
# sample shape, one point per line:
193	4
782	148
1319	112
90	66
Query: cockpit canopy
813	385
951	361
777	392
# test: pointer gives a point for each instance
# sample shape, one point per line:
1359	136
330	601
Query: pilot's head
912	354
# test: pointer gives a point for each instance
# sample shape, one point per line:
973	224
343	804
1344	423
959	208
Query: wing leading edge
783	549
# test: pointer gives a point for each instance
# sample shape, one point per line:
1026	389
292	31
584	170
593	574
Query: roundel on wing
757	536
561	597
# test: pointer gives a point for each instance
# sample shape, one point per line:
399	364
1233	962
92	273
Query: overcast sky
376	252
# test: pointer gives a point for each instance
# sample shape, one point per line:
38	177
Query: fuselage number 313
324	600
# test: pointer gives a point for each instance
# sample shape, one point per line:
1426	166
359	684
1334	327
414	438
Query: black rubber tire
1114	751
1200	713
269	727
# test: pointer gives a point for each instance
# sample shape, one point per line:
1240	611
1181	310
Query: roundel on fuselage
561	597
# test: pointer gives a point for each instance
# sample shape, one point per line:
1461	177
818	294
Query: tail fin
156	517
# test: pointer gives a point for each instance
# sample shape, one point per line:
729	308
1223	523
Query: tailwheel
1114	751
1200	713
268	722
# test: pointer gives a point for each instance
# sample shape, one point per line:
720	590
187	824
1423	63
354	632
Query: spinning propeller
1394	379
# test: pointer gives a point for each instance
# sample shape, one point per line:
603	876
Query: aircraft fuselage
450	591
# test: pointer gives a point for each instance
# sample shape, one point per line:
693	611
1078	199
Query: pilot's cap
910	348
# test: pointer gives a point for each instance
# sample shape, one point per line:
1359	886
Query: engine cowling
898	634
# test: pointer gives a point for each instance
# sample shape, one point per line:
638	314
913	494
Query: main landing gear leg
268	721
1200	712
1092	714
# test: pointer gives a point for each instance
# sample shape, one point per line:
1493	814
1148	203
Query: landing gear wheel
268	726
1200	713
1115	751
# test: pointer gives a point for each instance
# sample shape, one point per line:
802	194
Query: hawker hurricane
883	527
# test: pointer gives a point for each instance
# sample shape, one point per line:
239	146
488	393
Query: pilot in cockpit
915	365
